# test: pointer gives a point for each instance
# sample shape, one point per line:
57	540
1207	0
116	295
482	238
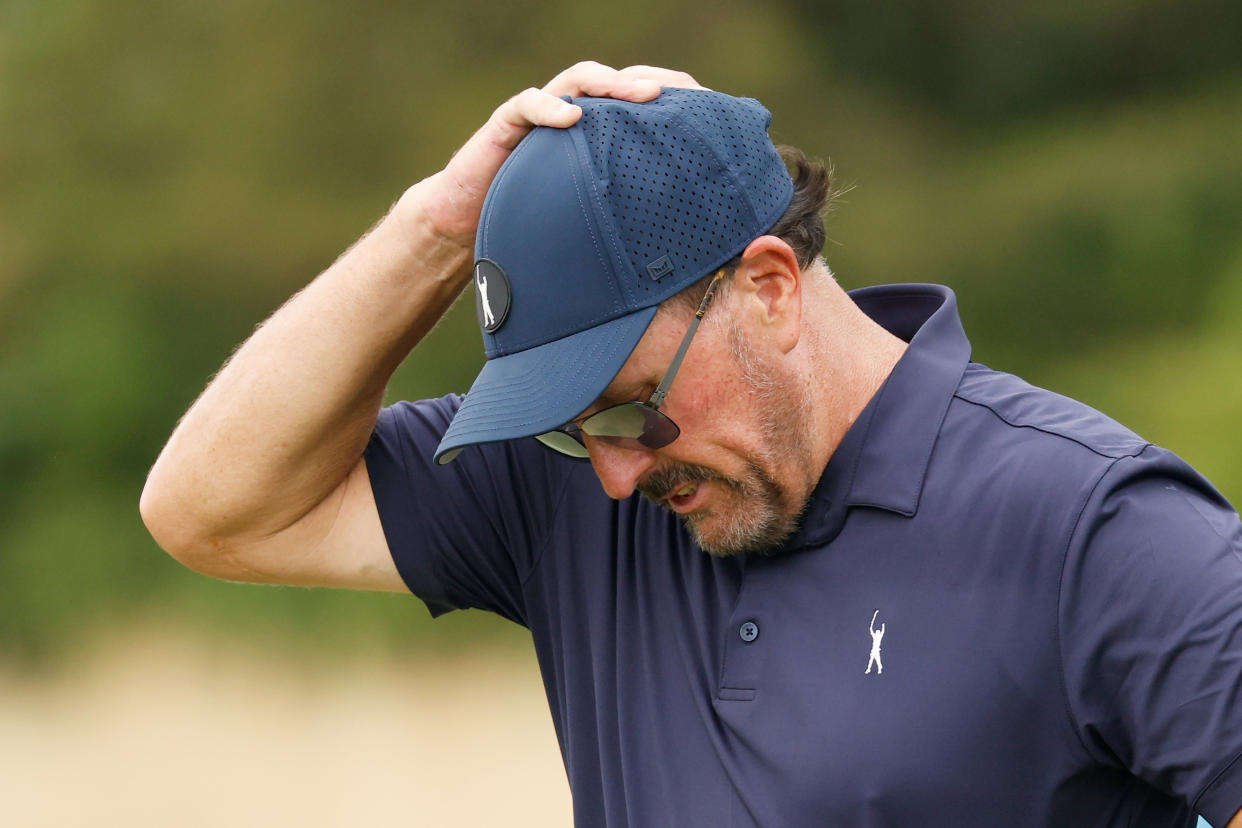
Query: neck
851	356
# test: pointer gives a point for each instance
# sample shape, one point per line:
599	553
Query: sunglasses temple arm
657	398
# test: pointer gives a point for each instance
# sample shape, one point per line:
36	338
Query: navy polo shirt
1002	608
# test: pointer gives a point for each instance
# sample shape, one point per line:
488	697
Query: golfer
695	469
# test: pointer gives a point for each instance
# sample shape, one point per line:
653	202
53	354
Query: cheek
716	426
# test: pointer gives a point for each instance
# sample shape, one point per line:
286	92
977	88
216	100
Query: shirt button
749	631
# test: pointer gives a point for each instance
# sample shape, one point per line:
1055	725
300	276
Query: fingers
534	107
666	77
544	107
633	83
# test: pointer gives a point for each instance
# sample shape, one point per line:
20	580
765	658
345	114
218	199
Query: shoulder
1042	418
1033	456
1069	453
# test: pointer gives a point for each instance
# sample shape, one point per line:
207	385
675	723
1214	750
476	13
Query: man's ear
770	279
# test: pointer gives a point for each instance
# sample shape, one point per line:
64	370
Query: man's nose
618	469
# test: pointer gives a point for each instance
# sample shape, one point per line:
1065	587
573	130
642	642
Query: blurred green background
170	172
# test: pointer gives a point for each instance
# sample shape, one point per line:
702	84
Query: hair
801	226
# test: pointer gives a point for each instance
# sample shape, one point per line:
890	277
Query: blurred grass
169	174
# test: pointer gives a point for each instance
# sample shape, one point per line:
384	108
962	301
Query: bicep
339	543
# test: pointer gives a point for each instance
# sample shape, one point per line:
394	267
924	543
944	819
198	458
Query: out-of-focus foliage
169	173
996	62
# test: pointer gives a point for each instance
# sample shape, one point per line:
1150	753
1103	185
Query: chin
743	531
750	514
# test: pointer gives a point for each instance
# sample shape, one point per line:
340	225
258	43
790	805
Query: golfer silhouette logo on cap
492	292
489	318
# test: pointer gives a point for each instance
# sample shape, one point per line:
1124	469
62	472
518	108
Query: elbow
165	522
171	525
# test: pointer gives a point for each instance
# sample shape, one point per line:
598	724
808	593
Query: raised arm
263	479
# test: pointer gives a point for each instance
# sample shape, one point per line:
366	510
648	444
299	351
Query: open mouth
679	488
685	499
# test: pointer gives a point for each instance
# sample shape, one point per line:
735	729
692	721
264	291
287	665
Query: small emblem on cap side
659	268
492	294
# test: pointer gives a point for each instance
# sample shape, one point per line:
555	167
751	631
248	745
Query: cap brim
538	389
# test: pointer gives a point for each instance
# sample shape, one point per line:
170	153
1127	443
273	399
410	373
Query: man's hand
453	207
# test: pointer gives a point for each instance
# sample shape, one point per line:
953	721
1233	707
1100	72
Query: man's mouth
678	488
686	499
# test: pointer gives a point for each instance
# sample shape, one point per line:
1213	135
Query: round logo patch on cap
491	294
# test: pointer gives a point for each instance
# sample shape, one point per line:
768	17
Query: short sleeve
468	533
1151	630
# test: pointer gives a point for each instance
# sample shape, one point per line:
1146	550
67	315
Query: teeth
687	489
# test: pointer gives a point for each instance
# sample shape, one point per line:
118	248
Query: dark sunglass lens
563	442
659	431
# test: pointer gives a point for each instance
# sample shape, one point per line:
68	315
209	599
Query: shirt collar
882	460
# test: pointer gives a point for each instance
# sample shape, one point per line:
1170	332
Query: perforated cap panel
687	180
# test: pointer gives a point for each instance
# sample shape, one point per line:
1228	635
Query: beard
754	515
757	513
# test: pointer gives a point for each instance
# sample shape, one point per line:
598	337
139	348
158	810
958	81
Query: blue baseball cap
586	230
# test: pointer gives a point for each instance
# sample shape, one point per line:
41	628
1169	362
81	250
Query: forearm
287	418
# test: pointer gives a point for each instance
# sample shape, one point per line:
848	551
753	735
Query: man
1059	598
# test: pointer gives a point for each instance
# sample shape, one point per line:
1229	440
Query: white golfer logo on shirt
876	637
489	318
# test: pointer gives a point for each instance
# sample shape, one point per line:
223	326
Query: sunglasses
636	425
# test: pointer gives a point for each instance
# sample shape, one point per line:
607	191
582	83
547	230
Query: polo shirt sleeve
1151	630
466	534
